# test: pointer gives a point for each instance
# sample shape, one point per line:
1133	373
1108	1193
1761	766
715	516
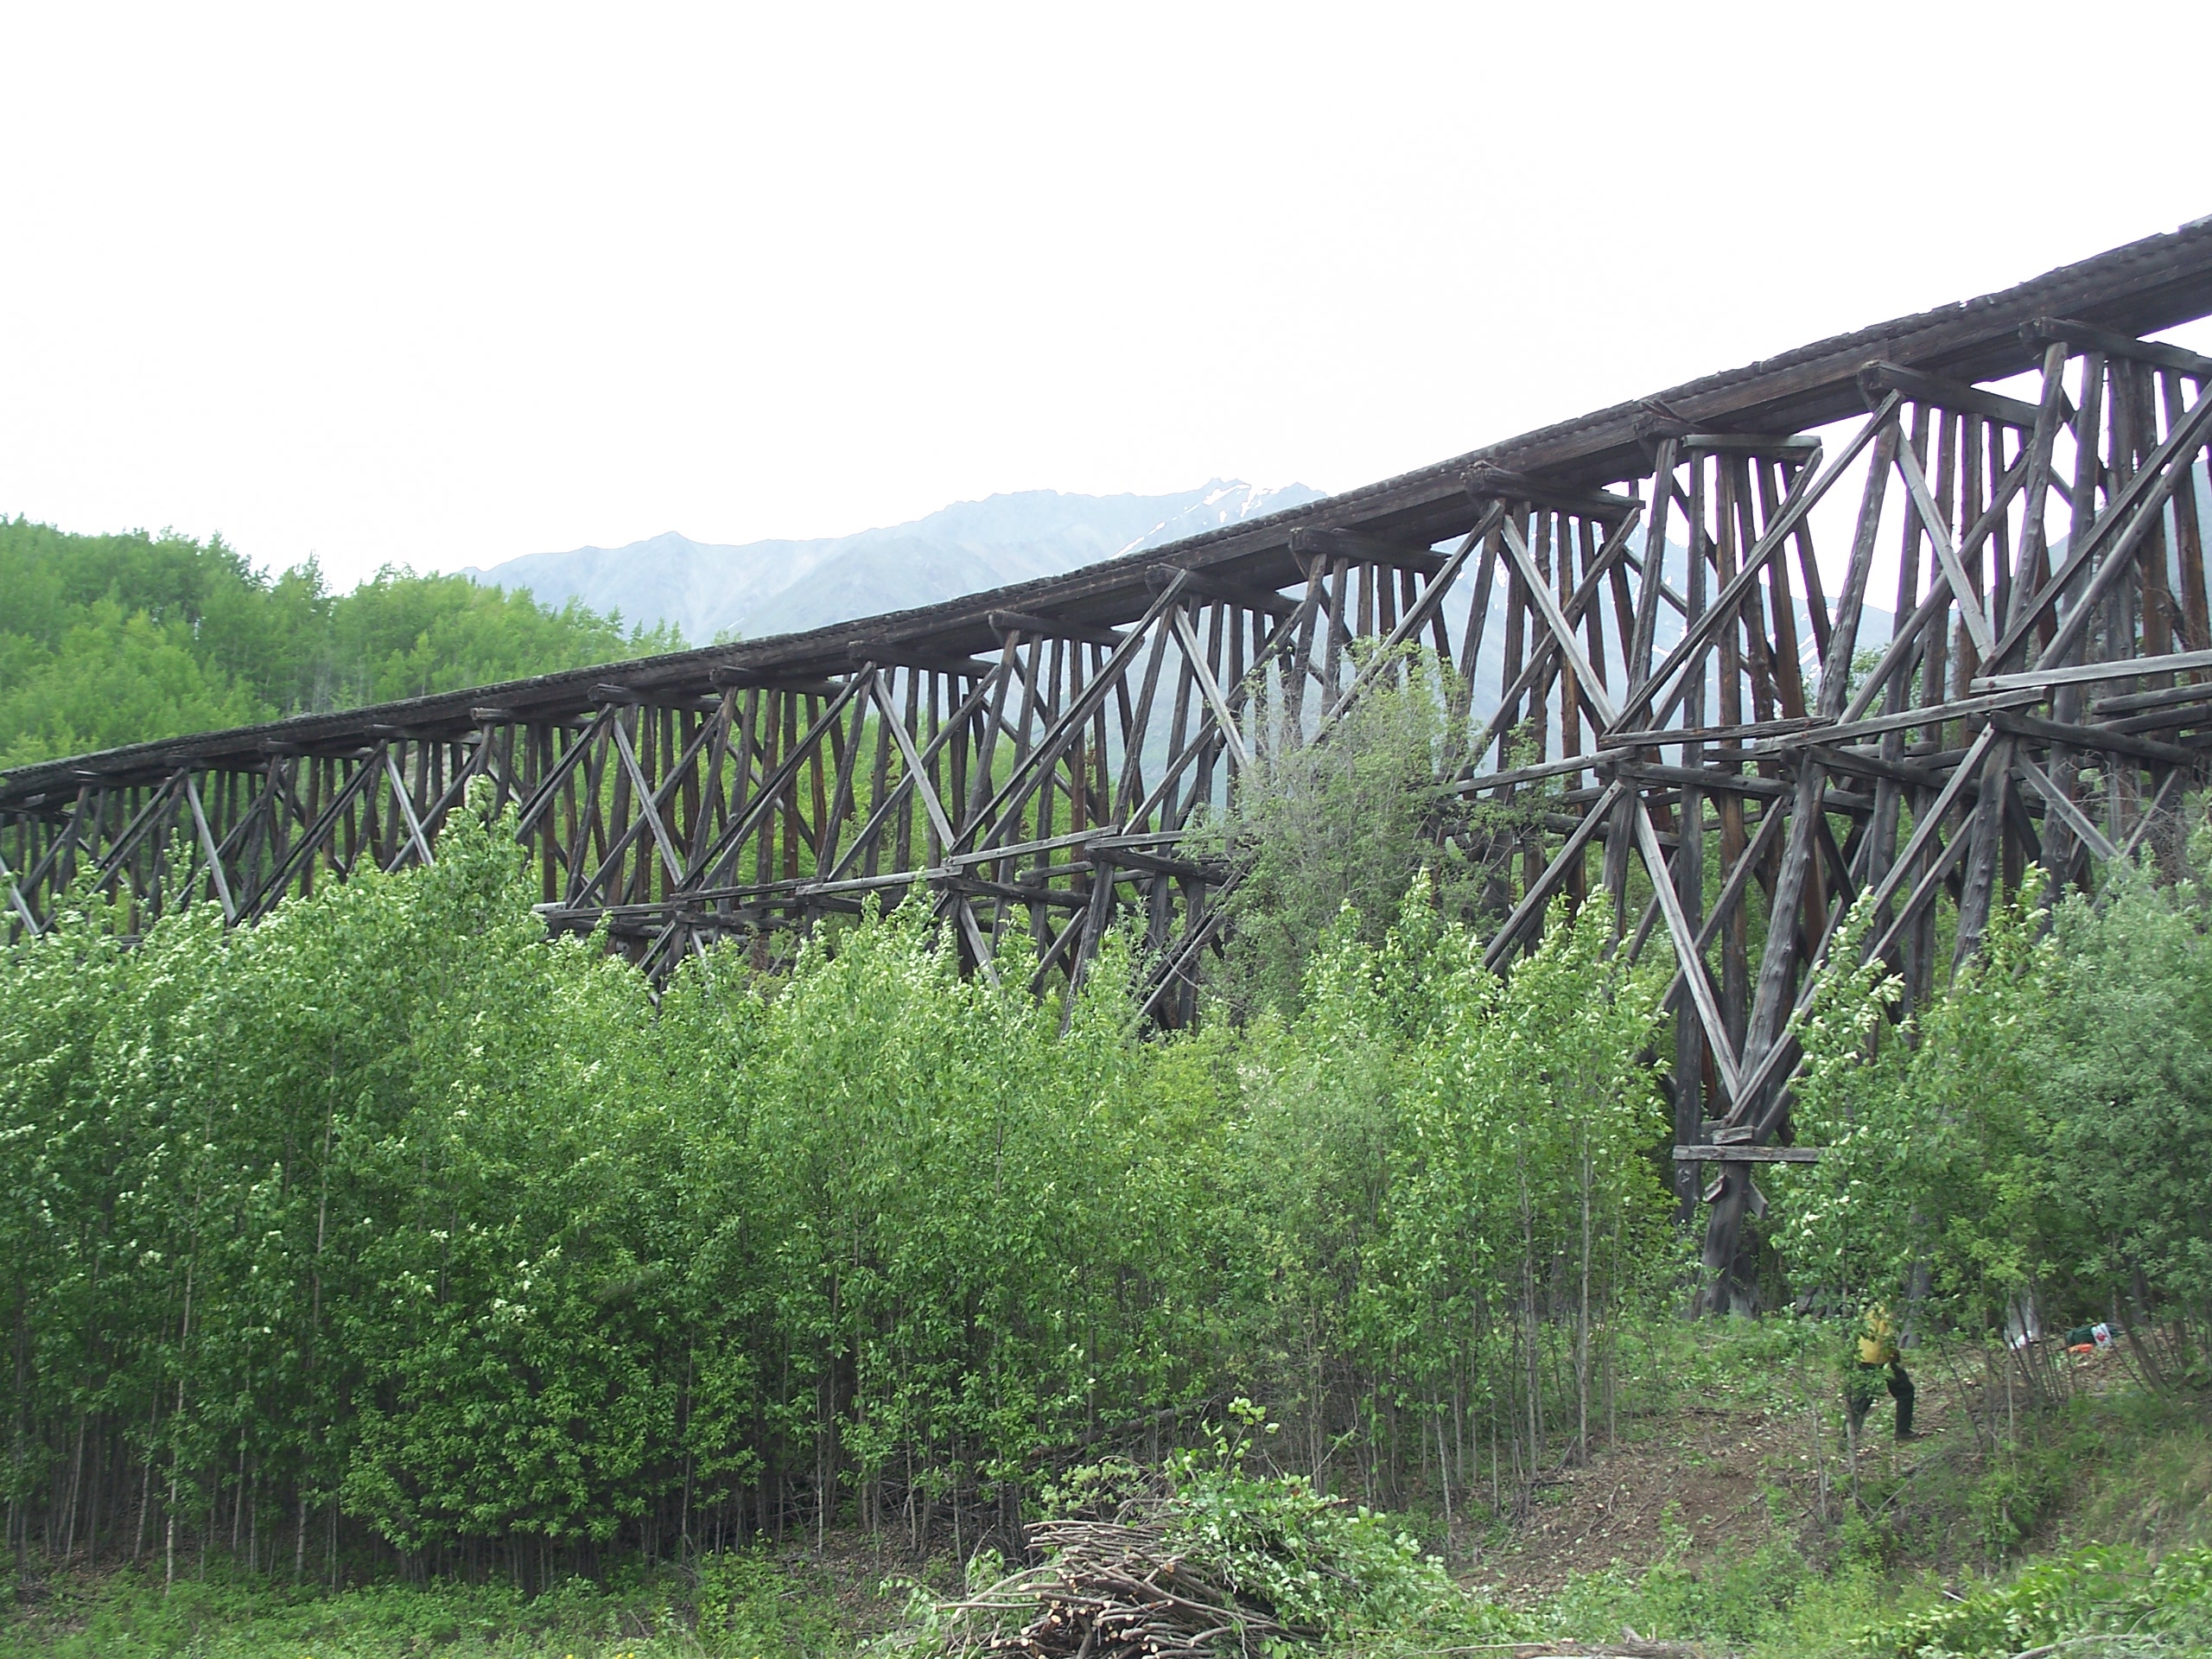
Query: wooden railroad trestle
1036	755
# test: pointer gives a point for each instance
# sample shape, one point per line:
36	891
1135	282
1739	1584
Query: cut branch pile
1113	1589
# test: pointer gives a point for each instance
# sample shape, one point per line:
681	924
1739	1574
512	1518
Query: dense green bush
2110	1600
114	639
2040	1135
388	1222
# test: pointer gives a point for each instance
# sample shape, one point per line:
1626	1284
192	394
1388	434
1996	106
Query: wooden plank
1487	780
2139	511
1813	483
907	654
2063	805
1724	903
2131	668
1956	395
1487	481
2135	509
2084	736
1417	613
2087	337
1047	627
1541	891
214	855
1203	586
1699	982
2105	708
918	768
16	897
1740	1152
1715	779
648	805
1363	549
1053	843
1932	520
706	865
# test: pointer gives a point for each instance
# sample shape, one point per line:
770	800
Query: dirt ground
1732	1475
1707	1469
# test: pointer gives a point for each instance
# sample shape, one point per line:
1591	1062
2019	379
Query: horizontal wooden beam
1955	395
1485	481
2136	700
1360	548
1202	586
886	653
1048	627
1793	447
2084	736
2125	668
1747	1154
2080	336
753	679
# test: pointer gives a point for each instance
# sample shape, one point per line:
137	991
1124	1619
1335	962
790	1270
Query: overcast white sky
441	285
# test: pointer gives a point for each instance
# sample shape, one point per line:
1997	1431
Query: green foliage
1770	1597
2113	1592
387	1223
2043	1127
2124	1076
1446	1175
1350	822
1315	1562
748	1603
115	640
131	1616
1929	1155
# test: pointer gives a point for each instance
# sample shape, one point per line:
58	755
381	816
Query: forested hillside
113	639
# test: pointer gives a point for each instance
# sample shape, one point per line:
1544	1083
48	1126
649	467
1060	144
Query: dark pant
1865	1382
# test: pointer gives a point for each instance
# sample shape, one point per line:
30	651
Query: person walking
1879	1361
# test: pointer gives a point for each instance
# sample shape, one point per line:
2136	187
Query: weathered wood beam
1489	482
2085	736
1878	378
1047	627
1200	585
1743	1151
2080	336
1330	542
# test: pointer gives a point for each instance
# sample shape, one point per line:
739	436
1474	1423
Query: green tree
108	640
1349	819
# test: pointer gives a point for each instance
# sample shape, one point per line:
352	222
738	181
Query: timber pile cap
2146	285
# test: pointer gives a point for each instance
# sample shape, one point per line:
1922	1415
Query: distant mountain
762	588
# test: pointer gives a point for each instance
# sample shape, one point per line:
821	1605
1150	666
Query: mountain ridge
720	590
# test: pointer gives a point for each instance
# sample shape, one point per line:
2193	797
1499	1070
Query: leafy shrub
1312	1560
2019	1489
1261	1558
749	1605
1737	1599
2101	1590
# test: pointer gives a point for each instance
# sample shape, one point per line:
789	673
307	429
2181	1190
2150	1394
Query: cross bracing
1901	611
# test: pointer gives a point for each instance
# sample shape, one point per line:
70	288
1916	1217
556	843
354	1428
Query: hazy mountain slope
763	587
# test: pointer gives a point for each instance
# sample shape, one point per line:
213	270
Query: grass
741	1605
